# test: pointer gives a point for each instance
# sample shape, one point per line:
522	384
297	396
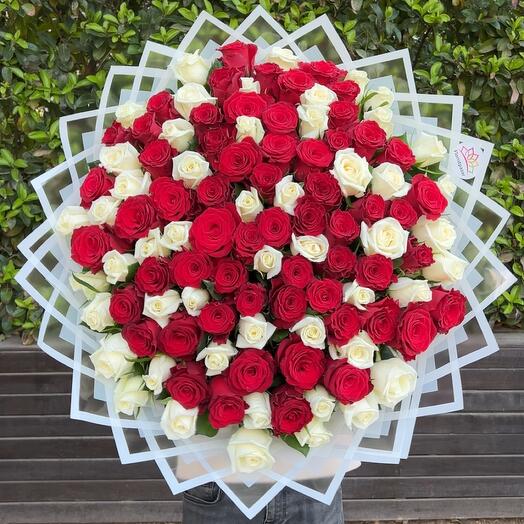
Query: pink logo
470	158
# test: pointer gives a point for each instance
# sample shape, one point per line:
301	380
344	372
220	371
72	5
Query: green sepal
293	442
203	427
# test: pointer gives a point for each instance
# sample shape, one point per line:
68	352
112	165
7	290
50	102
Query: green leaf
293	442
85	284
203	427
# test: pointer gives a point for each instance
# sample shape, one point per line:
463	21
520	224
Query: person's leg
300	509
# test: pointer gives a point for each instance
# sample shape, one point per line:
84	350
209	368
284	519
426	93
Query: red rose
417	256
324	295
116	134
213	141
342	114
301	365
292	84
250	299
152	276
310	217
264	178
213	190
243	104
88	245
297	271
237	160
162	106
323	71
315	153
340	262
205	114
190	268
343	324
225	407
229	275
337	139
251	371
324	188
380	320
157	158
342	226
345	90
97	183
375	272
267	74
397	152
369	209
288	305
279	148
142	337
447	308
145	128
187	384
224	81
368	136
238	54
170	198
345	382
425	196
248	241
274	225
217	318
212	232
181	336
126	304
415	331
280	118
290	411
402	211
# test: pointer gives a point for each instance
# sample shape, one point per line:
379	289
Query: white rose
71	218
113	358
189	96
268	261
439	235
249	85
428	150
177	422
194	299
178	133
383	116
313	120
312	331
131	183
103	210
447	186
248	204
126	113
191	168
254	332
96	314
361	414
119	158
351	172
258	414
321	403
314	248
216	357
407	290
116	265
357	295
385	237
359	351
192	68
248	450
393	380
249	126
150	246
129	395
388	181
314	434
318	95
285	58
159	371
360	77
176	235
89	283
447	268
160	307
380	97
287	193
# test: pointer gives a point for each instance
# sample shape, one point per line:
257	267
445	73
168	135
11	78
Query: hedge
54	56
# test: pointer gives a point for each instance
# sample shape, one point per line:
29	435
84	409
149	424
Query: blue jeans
208	504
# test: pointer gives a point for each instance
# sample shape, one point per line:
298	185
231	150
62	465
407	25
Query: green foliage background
54	55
